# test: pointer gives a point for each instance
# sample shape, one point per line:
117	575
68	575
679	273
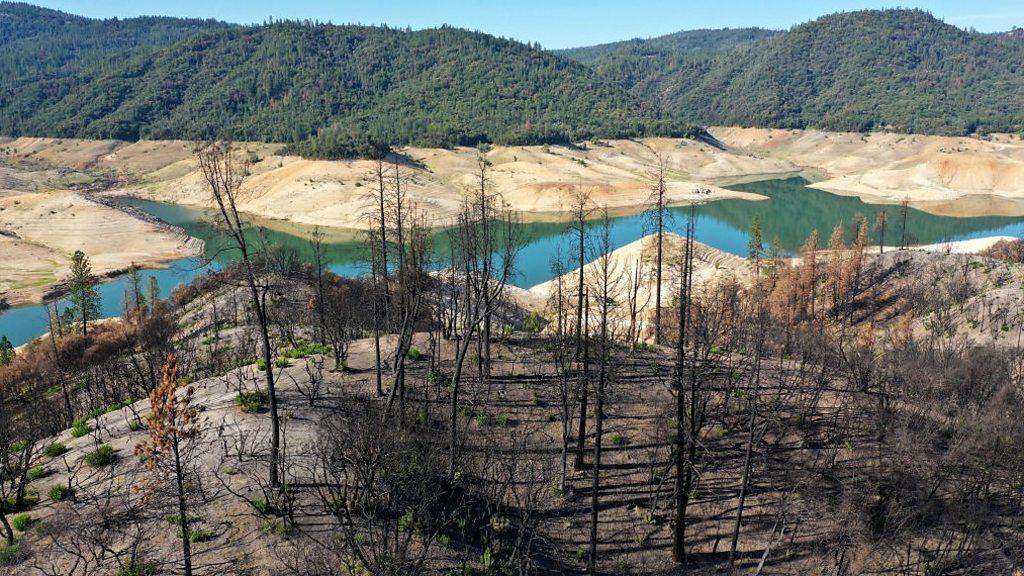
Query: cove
791	212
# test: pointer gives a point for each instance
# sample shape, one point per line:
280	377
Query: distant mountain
685	42
345	86
37	43
903	70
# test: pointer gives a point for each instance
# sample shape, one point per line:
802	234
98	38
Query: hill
901	70
37	43
685	42
286	82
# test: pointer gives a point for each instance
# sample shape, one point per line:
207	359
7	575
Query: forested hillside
288	81
902	70
685	42
37	43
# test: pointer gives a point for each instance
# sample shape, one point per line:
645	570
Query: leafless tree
224	177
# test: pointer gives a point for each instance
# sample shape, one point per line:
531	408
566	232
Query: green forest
342	85
898	70
335	91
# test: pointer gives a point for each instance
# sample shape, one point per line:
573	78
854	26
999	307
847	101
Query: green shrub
252	401
533	323
54	450
176	519
103	456
305	348
37	472
282	363
503	420
617	439
18	446
439	378
263	507
261	364
60	492
413	354
9	554
80	427
407	522
199	535
22	522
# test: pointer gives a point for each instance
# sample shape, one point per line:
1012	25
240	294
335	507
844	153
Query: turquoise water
790	214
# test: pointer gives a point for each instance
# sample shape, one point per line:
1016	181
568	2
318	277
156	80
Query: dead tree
316	243
658	213
168	451
474	242
685	424
604	276
224	177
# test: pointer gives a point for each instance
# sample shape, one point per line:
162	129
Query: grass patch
414	354
102	456
282	363
252	401
80	427
618	439
264	508
54	450
175	519
200	535
60	492
304	348
37	472
22	522
10	554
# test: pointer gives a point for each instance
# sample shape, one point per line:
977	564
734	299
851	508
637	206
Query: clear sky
553	23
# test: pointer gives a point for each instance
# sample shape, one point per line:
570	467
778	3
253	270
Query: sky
552	23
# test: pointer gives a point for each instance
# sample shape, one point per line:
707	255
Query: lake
789	215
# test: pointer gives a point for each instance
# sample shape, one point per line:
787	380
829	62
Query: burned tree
224	177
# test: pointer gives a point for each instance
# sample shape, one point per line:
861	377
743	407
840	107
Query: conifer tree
85	301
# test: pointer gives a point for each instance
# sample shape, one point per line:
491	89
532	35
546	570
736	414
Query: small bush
60	492
261	364
175	519
252	401
9	554
80	427
263	507
282	363
406	522
22	522
533	323
413	354
199	535
103	456
54	450
37	472
617	439
503	420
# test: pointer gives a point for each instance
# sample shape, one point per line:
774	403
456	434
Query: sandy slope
710	266
945	175
42	230
535	179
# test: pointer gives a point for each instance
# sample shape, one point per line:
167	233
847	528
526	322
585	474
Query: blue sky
553	23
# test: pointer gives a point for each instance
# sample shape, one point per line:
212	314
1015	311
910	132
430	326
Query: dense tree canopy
901	70
344	91
290	81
